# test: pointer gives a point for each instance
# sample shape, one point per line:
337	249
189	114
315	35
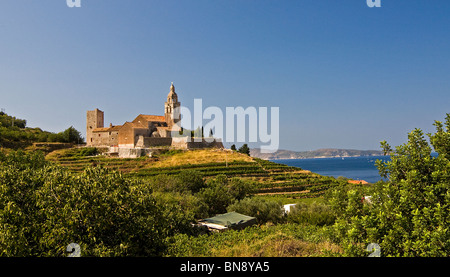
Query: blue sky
343	75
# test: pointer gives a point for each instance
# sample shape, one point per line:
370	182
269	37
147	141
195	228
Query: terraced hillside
268	178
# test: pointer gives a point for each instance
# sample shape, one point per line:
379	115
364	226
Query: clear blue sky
344	75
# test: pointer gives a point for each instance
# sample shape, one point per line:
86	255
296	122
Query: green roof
230	219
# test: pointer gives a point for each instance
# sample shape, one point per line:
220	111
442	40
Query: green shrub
181	181
408	214
216	198
263	210
87	151
313	213
191	180
44	208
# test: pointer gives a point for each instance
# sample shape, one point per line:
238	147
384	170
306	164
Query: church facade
144	132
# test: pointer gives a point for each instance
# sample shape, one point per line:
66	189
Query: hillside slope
14	134
266	177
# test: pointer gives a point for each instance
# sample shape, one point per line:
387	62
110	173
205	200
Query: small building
232	220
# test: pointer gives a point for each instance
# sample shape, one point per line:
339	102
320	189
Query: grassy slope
271	180
200	156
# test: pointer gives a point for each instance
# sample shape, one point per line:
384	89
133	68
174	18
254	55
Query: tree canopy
15	134
44	208
409	214
244	149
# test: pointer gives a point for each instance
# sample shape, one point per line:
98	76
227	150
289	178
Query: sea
356	168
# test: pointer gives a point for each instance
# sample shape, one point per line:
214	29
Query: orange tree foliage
409	215
44	208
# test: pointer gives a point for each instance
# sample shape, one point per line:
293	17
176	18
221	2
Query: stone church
138	137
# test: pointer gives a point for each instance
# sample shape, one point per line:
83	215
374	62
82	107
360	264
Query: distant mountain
320	153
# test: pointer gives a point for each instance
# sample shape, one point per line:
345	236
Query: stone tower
94	119
172	108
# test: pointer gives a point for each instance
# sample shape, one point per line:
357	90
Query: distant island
320	153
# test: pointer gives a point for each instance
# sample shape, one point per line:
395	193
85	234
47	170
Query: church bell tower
172	108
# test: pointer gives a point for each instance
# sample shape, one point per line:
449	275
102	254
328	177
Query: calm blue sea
357	168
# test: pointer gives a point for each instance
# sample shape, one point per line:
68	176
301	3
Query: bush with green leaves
409	215
263	210
44	208
244	149
185	181
220	192
191	180
315	213
199	197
